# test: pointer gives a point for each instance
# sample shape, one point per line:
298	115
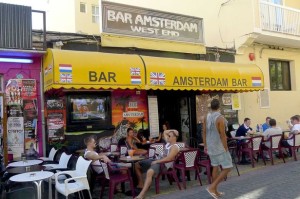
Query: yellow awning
181	74
151	44
92	70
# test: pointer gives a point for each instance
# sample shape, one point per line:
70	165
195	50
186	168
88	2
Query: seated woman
131	141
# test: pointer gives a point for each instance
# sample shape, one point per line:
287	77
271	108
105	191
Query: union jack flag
157	78
65	77
135	71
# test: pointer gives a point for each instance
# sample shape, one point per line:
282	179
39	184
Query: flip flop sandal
215	196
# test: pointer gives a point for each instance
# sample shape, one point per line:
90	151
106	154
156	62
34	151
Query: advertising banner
55	119
15	135
129	109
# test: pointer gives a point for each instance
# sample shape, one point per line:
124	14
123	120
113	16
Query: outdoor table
24	163
184	149
115	153
132	160
37	178
17	170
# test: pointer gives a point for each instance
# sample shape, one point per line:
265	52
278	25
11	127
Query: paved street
279	181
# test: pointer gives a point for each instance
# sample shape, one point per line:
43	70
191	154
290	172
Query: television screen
88	108
88	111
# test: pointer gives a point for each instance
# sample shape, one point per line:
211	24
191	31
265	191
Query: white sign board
153	116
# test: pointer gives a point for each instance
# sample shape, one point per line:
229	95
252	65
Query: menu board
153	116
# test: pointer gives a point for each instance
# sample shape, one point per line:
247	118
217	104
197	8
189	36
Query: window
82	7
95	14
280	78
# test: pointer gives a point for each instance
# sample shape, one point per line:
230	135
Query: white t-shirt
296	127
271	131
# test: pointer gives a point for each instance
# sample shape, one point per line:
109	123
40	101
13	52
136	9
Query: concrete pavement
272	182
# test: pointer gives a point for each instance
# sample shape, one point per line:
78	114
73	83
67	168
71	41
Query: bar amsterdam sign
134	21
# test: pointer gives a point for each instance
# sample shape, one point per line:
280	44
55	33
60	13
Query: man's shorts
146	164
223	159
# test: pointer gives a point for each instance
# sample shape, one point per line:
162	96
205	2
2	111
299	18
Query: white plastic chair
62	164
51	155
78	175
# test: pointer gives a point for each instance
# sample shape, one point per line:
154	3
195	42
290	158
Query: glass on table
23	157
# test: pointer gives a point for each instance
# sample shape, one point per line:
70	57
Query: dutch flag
256	81
65	68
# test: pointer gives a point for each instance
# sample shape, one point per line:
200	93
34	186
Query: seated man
243	130
153	166
91	154
273	130
266	125
295	128
131	141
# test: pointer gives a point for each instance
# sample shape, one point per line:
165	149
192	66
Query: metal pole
43	112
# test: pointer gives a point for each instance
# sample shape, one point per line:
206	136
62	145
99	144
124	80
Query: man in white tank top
91	154
153	166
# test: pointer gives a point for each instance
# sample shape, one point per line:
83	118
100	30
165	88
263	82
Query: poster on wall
55	119
30	122
15	135
129	109
13	92
236	101
203	106
28	89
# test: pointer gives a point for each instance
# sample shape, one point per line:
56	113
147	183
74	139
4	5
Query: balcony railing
279	18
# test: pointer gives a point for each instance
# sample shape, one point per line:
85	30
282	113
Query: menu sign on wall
135	21
153	116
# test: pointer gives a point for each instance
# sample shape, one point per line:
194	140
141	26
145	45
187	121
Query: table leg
50	187
38	187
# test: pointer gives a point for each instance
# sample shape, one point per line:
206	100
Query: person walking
215	144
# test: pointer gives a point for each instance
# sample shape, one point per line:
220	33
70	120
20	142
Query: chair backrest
159	148
82	166
58	154
113	147
275	140
123	150
181	144
256	142
151	152
73	162
63	161
52	153
190	158
297	139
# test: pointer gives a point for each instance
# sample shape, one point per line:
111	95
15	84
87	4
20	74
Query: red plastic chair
116	176
296	145
171	173
204	161
188	162
159	148
275	145
252	147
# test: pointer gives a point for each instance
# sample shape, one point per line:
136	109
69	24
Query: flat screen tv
88	111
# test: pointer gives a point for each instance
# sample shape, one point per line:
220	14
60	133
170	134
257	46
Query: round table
133	159
115	153
35	177
17	170
24	163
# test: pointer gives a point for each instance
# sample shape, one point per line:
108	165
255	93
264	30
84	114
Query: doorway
175	107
